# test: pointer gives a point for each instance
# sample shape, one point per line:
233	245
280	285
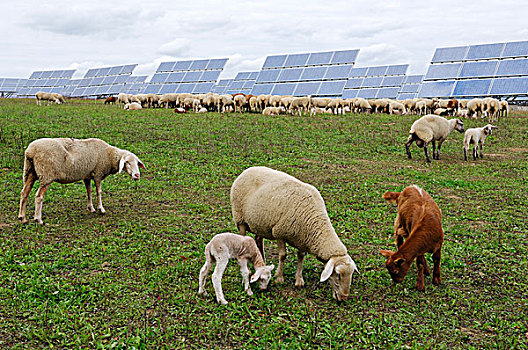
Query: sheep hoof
249	292
102	210
23	220
91	209
279	279
39	221
223	302
299	284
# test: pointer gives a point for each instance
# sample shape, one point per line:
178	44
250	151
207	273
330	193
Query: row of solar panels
477	69
11	84
186	77
475	87
192	88
117	70
212	64
480	52
311	59
52	74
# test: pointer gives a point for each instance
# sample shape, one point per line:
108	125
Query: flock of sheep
269	203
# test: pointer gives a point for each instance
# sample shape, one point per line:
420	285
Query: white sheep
203	110
274	205
475	107
397	106
362	106
301	104
431	128
503	112
491	108
225	102
239	102
476	137
441	111
253	103
420	107
58	97
46	96
66	160
225	246
122	98
273	110
133	106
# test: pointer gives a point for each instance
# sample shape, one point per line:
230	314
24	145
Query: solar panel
128	69
510	86
175	77
404	96
97	81
46	74
397	69
376	71
165	66
103	71
393	80
410	88
283	89
513	67
191	76
90	73
485	51
478	69
108	80
307	88
253	75
367	93
358	72
217	63
225	82
332	88
290	74
56	74
474	87
414	79
313	73
388	92
203	88
120	79
296	60
210	75
242	76
35	75
248	84
372	81
436	88
236	85
443	71
182	65
346	56
338	72
199	65
450	54
168	88
274	61
516	49
268	76
349	93
262	89
320	58
353	83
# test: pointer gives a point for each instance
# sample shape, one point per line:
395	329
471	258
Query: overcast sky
40	35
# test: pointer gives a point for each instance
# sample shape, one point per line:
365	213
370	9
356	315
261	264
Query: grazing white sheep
441	111
420	107
431	128
225	246
475	107
225	102
491	108
239	102
203	110
476	137
397	106
122	98
301	104
275	205
503	111
253	104
58	97
362	106
134	106
65	161
41	95
272	110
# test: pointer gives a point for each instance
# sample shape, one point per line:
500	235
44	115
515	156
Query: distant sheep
134	106
476	137
45	96
65	161
58	97
122	98
110	100
272	110
503	111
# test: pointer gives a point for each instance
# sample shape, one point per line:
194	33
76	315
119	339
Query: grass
129	279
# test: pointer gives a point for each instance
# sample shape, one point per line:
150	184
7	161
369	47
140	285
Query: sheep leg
420	284
438	149
39	198
434	149
99	194
260	245
408	148
244	270
465	153
88	185
475	152
282	257
204	271
243	228
221	264
427	153
436	268
422	260
481	150
299	281
24	194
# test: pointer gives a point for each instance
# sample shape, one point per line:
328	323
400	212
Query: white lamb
275	205
239	102
431	128
476	137
65	161
225	246
134	106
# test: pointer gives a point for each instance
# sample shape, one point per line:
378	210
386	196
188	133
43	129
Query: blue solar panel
192	76
242	76
253	75
108	80
283	89
90	73
268	76
513	67
296	60
46	74
331	88
353	83
168	88
248	84
393	80
120	79
349	93
367	93
165	66
510	86
443	71
410	88
90	91
199	64
346	56
307	88
101	90
290	74
175	77
182	65
56	74
450	54
376	71
35	75
104	71
414	79
388	92
516	49
210	75
399	69
236	85
114	89
478	69
338	72
274	61
476	87
217	63
484	51
320	58
203	88
68	73
261	89
313	73
404	96
128	69
372	82
436	89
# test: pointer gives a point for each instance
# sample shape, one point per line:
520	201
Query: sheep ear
329	268
386	253
255	276
141	165
121	164
399	261
391	197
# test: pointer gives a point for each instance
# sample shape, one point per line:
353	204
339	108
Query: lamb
240	103
441	112
274	205
41	95
133	106
67	160
225	246
397	106
476	136
272	110
419	222
431	128
503	110
58	97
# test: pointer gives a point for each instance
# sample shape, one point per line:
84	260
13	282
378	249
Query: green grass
129	279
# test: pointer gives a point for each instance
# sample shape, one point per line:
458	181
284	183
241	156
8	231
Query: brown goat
419	222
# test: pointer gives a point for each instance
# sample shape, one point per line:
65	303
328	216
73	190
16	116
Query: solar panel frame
320	58
485	51
450	54
296	60
274	61
515	49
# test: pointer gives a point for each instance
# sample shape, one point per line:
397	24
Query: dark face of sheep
459	126
488	129
131	164
338	271
263	276
397	266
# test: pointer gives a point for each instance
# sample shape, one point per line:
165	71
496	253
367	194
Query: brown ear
391	197
399	261
386	253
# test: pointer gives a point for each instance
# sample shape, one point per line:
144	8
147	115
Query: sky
40	35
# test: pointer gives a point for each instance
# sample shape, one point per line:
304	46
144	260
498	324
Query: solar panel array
410	87
221	86
192	76
375	82
315	74
499	69
47	81
243	83
104	81
10	86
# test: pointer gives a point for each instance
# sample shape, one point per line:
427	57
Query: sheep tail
391	197
29	167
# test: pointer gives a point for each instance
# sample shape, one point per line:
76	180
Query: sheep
335	105
122	98
225	246
476	136
263	101
203	110
397	106
133	98
168	100
410	104
152	100
362	106
41	95
419	222
272	110
491	107
253	103
475	107
503	110
462	113
58	97
239	102
67	160
431	128
301	104
275	100
224	103
133	106
286	102
421	107
110	100
441	111
274	205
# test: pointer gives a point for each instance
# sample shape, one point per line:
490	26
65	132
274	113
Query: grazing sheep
410	105
133	106
286	102
65	161
275	100
491	108
225	246
503	111
419	222
41	95
275	205
225	102
441	111
253	104
462	113
476	137
58	97
301	105
122	98
203	110
397	106
335	105
152	100
362	106
239	102
475	107
110	100
420	107
272	110
263	101
431	128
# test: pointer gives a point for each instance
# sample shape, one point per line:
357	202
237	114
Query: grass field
129	279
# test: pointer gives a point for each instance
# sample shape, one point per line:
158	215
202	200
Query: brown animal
419	223
452	106
110	100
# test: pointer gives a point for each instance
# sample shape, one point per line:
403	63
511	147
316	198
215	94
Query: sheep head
396	264
488	129
459	126
263	276
131	164
338	271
